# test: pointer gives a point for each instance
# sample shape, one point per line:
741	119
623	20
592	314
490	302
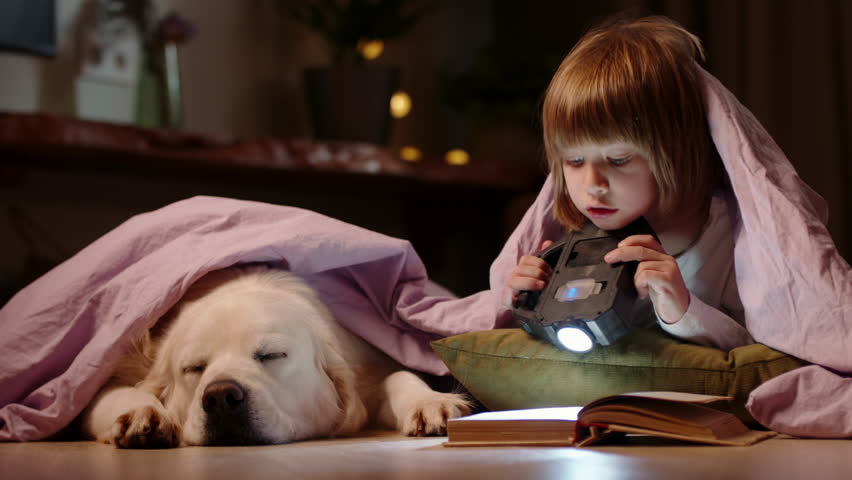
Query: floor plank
388	455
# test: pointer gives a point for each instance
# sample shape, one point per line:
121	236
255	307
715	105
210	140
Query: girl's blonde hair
635	81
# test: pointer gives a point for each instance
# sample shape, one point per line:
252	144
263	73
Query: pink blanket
60	336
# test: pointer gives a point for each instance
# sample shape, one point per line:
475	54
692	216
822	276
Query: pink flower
174	28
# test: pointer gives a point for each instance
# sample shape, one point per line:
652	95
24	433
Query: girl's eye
268	357
618	161
574	161
195	368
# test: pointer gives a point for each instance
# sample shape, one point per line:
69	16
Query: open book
675	415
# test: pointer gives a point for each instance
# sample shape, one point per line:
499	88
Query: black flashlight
586	301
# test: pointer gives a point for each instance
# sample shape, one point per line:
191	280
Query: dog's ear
157	385
353	413
159	379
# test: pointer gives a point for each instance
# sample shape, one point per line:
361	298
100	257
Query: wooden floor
388	455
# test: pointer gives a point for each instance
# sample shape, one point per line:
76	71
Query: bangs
601	101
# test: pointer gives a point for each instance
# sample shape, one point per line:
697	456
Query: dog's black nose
229	419
223	398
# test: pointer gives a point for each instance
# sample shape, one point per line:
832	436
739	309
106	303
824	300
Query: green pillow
508	369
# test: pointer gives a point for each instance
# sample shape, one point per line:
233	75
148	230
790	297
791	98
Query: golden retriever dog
249	356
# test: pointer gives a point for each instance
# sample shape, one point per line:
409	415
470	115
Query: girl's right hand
532	273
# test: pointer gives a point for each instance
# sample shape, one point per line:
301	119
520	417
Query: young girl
626	135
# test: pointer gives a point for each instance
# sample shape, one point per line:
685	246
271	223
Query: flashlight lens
574	339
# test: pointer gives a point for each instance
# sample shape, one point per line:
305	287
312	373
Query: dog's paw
145	427
429	415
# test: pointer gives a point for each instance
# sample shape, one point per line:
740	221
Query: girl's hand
531	273
657	275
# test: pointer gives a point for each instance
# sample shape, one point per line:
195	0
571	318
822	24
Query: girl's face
610	183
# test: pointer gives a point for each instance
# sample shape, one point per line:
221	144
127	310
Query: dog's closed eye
264	357
194	368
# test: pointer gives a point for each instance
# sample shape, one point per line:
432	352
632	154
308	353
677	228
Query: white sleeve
704	325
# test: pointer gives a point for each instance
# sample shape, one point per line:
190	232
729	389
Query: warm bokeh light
400	104
371	49
457	156
410	154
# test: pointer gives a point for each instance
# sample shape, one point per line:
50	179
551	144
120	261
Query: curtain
790	63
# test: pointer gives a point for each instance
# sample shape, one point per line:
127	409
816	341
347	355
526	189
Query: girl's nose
596	183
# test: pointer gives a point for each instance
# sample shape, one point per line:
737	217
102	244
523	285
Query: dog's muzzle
228	415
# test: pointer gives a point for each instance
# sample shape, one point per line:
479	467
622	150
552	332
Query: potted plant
349	98
503	117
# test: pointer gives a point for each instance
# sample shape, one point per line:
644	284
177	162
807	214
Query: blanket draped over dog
60	336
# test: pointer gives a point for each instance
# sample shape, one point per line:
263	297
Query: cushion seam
573	362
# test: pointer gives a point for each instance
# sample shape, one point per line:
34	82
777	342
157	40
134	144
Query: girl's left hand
657	275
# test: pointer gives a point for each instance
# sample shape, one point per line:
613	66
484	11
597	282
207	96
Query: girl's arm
705	325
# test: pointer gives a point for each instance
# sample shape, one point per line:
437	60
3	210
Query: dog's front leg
129	418
412	408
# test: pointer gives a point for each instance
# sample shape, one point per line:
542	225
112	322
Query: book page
748	437
553	413
681	414
684	418
677	397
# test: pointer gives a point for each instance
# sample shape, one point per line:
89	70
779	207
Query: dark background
476	70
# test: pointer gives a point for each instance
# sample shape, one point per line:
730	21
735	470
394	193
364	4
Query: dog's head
249	358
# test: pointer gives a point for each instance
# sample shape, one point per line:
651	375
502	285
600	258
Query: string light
410	154
370	49
457	156
400	104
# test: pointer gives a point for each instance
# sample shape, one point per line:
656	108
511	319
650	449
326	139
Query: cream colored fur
266	357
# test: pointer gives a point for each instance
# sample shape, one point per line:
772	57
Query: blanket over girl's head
60	336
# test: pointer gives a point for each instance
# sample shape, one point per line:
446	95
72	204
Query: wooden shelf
45	140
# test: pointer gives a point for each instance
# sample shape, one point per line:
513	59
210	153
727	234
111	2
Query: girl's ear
353	413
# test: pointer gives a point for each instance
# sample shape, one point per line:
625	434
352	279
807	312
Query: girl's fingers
663	282
530	269
662	266
635	253
531	274
509	296
649	278
657	275
518	283
647	241
528	261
